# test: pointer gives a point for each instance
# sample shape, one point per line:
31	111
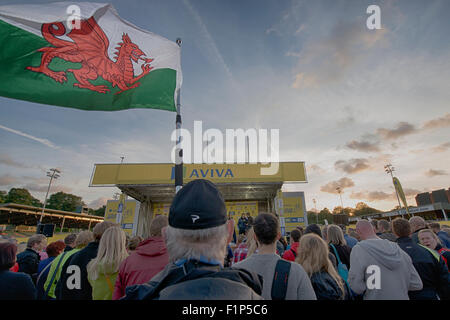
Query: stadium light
339	190
317	213
53	173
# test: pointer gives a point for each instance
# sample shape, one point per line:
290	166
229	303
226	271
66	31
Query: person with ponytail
103	269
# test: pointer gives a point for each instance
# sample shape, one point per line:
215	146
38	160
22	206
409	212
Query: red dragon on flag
90	48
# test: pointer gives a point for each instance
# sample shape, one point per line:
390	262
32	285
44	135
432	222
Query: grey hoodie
397	273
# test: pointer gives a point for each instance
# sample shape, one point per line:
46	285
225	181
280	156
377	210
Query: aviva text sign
164	173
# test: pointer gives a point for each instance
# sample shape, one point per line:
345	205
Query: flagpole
178	150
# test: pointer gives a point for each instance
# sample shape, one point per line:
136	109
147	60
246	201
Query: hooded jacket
397	272
195	280
149	258
28	261
432	271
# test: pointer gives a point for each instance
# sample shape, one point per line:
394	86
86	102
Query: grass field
23	237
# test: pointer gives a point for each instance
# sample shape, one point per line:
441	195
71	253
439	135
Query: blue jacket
42	276
351	242
443	236
45	263
433	272
195	280
242	225
16	286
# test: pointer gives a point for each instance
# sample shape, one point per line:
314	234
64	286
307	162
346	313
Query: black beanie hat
198	205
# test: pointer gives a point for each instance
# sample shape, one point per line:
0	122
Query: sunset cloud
343	183
352	165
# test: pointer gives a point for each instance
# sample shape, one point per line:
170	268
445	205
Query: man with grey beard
196	238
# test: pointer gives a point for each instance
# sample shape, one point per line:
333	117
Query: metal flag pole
389	169
178	150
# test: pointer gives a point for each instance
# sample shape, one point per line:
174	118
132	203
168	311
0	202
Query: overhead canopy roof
155	182
20	214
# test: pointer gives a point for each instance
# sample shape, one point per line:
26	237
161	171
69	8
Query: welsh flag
84	56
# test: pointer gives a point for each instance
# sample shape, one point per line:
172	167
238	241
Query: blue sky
346	99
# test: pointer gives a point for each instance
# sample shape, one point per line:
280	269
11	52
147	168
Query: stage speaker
46	229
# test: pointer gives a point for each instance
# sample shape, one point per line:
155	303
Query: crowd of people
185	257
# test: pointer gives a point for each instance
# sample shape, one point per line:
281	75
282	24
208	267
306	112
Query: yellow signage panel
128	214
290	206
161	209
164	173
234	209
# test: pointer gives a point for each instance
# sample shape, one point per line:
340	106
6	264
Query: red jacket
288	255
14	268
149	258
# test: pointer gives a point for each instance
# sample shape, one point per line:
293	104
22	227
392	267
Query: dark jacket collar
404	239
93	245
192	270
32	251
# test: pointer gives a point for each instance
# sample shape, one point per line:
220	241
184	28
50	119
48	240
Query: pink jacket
149	258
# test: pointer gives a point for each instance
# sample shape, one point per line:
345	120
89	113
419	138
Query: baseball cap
198	205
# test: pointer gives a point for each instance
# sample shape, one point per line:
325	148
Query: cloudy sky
347	100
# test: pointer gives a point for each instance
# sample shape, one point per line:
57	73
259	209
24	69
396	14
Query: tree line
58	201
361	209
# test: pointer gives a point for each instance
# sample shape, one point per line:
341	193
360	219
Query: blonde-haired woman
429	239
337	244
103	270
313	257
252	245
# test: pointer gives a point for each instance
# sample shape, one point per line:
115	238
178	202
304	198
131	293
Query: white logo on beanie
194	217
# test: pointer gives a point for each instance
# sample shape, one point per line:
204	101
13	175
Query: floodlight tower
339	190
53	174
317	213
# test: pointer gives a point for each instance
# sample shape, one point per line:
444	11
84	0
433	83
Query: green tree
338	210
3	196
22	196
64	201
100	211
364	209
312	217
325	214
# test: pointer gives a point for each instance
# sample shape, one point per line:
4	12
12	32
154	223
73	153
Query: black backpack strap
294	253
280	280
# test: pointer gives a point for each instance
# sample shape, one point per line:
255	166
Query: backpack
343	272
280	280
342	268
